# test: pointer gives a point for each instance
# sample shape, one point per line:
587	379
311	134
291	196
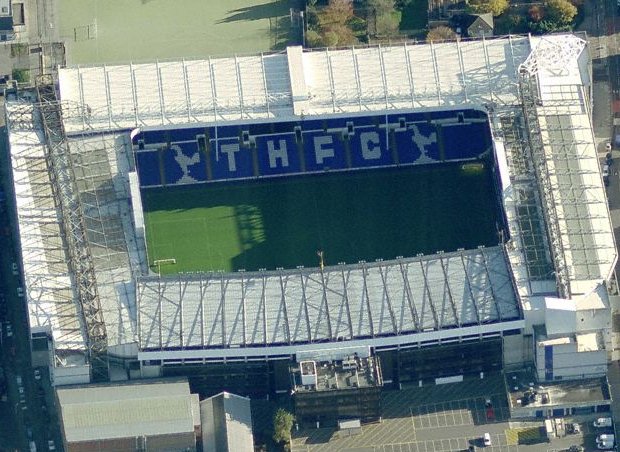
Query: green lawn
108	31
350	216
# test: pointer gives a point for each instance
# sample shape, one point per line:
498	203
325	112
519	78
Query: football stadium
436	208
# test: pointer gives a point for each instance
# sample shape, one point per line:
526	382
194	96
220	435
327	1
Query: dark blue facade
197	155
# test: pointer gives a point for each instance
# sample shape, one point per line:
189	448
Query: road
33	418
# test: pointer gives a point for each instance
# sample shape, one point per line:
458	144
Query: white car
51	445
37	374
608	145
605	438
20	292
9	330
486	439
14	268
602	422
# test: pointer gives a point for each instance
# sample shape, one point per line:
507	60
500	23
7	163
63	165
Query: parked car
14	268
9	330
602	422
486	439
51	445
20	292
37	374
572	428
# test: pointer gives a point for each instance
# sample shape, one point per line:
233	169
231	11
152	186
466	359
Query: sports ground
109	31
351	216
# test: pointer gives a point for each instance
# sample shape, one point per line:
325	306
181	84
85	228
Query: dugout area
350	216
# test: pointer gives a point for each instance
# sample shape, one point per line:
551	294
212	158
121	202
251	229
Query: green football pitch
351	216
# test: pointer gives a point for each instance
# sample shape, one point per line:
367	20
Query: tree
495	7
381	6
387	24
336	12
536	13
314	39
440	34
561	11
282	426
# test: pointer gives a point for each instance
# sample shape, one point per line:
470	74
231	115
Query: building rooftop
388	301
227	423
523	385
348	373
119	411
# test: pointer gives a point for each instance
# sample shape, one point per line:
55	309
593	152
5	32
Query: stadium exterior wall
376	343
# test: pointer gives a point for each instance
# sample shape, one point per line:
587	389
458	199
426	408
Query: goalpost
160	262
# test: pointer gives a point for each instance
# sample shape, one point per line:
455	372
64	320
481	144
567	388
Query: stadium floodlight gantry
535	92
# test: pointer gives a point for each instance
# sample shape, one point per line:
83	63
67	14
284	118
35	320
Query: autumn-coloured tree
536	13
440	34
336	12
495	7
561	11
332	25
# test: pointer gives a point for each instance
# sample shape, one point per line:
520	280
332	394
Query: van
605	438
602	422
486	439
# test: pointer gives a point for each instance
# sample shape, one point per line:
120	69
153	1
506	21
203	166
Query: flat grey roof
120	411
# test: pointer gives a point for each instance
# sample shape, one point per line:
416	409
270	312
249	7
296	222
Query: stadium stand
285	148
457	142
148	168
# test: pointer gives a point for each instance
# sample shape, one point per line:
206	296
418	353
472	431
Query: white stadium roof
224	310
294	83
304	306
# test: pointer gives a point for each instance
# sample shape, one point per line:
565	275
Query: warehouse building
161	416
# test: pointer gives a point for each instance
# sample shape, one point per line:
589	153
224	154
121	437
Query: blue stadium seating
284	159
330	143
226	132
457	141
172	170
418	144
324	151
228	160
147	164
154	136
369	147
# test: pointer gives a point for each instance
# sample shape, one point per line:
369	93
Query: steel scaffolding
528	210
530	102
73	228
